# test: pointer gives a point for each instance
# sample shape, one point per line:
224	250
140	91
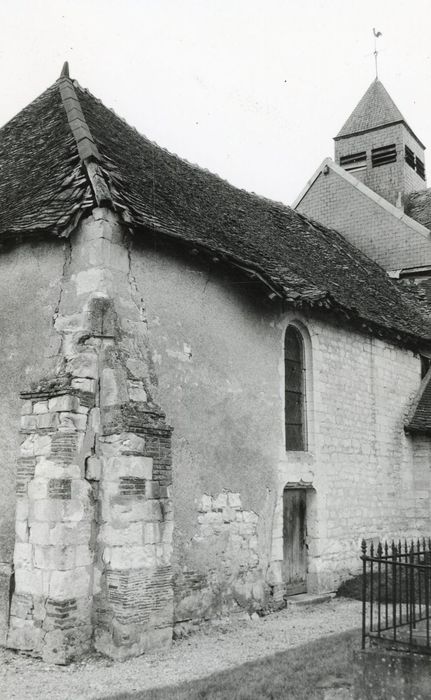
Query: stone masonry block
28	423
29	581
38	488
23	555
47	421
22	509
39	533
26	408
234	500
70	584
84	365
84	384
152	511
93	468
167	531
127	465
40	407
119	533
152	489
21	531
220	501
54	558
136	391
109	391
48	469
25	638
131	557
72	421
152	533
72	532
46	510
205	504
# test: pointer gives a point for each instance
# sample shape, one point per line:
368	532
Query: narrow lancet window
294	390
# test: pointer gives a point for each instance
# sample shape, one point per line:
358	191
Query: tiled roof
375	109
419	420
42	185
418	207
299	260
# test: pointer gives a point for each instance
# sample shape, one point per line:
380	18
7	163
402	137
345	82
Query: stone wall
94	517
30	277
369	479
99	558
364	476
227	575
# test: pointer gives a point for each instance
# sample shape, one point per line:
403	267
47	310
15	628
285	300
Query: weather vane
376	36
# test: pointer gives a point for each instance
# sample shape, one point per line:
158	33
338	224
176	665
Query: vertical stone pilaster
133	593
94	511
51	605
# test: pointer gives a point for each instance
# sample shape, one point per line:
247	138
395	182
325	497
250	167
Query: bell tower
378	147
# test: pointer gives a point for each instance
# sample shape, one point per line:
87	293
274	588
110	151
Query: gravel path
215	647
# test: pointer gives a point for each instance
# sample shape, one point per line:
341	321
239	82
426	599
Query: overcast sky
251	89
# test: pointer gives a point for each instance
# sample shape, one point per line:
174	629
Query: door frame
308	488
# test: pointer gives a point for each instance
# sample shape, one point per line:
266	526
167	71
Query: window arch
294	388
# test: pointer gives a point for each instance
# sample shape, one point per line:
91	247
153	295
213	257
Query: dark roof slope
419	420
41	181
418	206
300	260
375	109
304	260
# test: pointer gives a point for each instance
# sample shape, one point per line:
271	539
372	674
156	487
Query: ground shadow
301	673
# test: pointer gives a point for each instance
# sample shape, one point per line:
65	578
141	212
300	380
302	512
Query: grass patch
293	674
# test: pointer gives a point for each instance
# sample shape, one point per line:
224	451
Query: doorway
294	540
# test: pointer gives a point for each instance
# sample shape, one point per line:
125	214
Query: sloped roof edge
376	198
419	416
375	110
45	174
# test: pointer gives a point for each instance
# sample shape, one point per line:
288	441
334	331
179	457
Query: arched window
294	384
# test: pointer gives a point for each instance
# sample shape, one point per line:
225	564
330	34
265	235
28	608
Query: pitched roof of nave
66	148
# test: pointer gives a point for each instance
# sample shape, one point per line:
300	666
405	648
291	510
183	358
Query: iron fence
396	594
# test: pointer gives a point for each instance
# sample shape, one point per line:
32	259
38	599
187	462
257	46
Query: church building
209	398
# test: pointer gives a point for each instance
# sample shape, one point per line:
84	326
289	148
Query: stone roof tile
43	187
375	109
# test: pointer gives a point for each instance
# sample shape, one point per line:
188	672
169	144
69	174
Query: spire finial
65	70
376	36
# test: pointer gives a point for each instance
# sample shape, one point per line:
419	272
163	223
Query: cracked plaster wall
30	275
215	346
218	349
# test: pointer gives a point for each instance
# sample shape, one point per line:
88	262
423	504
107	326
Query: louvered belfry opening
294	367
383	155
354	162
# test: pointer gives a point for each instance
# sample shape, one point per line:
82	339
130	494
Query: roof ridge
183	159
87	148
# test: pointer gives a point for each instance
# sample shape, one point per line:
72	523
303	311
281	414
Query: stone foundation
228	575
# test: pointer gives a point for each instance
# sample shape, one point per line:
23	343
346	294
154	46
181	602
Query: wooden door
294	541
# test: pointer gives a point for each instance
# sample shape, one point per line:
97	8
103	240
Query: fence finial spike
364	546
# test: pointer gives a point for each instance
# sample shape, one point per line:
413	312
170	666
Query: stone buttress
94	516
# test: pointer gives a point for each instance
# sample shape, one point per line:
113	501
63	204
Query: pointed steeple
379	147
374	110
